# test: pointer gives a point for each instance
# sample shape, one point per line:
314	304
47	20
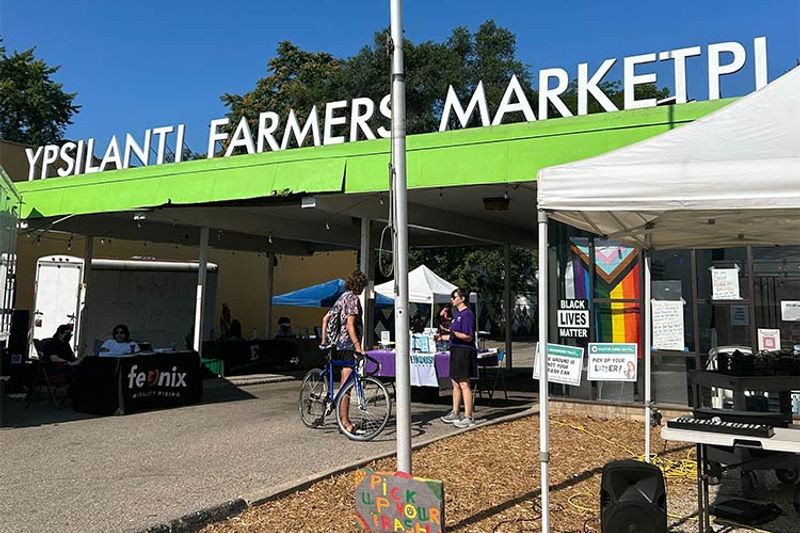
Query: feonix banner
160	380
356	119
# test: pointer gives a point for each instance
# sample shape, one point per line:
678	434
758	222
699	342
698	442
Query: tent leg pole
647	356
200	300
544	445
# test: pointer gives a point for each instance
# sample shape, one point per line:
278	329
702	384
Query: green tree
34	109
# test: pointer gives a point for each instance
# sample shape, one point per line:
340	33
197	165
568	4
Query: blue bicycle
368	405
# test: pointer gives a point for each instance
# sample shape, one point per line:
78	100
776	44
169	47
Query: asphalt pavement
63	471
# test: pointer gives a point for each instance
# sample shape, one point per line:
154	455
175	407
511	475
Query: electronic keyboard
716	425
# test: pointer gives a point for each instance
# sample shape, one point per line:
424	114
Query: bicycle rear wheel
313	397
369	411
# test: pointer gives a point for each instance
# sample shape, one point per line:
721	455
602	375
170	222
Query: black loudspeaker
18	333
633	498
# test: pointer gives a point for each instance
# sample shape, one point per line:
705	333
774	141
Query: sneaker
466	422
451	418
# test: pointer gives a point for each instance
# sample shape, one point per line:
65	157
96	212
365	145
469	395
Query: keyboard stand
784	445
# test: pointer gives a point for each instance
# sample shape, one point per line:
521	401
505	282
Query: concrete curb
258	379
193	522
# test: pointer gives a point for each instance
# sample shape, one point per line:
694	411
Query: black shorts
344	355
463	363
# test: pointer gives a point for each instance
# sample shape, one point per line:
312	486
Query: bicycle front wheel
313	397
368	411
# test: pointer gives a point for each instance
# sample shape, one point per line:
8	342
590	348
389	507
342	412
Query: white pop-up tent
731	178
424	287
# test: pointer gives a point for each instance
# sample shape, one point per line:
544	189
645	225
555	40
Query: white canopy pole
200	301
544	444
647	365
402	368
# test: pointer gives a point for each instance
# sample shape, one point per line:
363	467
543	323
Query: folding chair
47	375
482	383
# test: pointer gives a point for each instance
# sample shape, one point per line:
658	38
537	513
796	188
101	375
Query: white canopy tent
729	179
424	287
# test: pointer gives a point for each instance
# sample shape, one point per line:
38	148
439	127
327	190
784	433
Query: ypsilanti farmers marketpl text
343	120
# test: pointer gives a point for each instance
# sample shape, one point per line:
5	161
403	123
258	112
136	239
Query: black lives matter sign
573	319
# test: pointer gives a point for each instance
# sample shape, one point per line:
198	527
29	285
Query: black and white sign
573	319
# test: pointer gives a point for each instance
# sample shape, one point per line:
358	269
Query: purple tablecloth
441	361
387	369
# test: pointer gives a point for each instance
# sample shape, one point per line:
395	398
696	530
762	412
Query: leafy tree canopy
299	80
34	109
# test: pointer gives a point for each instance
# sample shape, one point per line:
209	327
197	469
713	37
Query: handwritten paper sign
667	324
790	311
394	501
769	339
612	361
564	364
725	284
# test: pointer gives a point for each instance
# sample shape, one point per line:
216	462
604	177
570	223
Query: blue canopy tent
321	295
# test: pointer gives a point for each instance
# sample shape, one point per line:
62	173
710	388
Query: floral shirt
348	305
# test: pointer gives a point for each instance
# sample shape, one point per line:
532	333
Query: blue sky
137	65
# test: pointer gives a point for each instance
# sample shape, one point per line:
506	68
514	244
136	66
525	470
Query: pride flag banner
617	278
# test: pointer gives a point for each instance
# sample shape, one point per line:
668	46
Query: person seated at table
235	331
284	328
119	344
57	349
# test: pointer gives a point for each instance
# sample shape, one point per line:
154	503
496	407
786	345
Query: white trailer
155	299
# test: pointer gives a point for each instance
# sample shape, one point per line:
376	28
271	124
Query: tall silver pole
647	343
200	299
402	383
544	431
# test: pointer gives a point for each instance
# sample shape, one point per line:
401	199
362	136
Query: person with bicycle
463	360
347	344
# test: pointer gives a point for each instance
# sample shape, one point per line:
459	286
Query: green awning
474	156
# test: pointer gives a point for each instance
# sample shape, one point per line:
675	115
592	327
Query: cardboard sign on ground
394	501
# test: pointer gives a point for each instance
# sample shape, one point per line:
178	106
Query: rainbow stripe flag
617	269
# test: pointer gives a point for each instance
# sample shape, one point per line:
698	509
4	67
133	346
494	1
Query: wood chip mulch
491	479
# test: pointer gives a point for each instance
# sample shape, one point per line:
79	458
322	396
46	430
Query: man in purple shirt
463	360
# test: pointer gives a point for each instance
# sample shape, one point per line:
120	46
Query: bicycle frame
328	370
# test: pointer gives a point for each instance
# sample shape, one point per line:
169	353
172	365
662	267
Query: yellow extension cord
672	469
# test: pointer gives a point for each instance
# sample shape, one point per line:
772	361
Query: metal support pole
647	355
83	300
402	380
270	292
200	301
544	431
365	265
507	303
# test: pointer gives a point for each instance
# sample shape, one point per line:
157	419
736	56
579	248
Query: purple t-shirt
463	322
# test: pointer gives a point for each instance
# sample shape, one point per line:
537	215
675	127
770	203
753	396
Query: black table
249	356
138	382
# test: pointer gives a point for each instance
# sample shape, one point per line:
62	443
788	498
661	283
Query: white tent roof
424	286
731	178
